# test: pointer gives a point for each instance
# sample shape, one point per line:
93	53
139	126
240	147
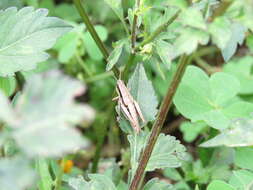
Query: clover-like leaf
46	110
24	37
241	179
218	184
232	136
241	69
210	99
193	17
8	85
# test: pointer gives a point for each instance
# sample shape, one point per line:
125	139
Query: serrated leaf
193	17
188	41
241	69
167	153
142	91
155	184
242	180
24	37
39	115
78	183
210	99
232	136
8	85
237	38
220	29
15	174
218	184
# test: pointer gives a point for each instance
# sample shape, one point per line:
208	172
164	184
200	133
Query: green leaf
6	112
97	181
210	99
192	130
67	11
232	136
15	174
167	153
241	69
165	52
116	6
24	37
7	3
242	180
249	42
220	29
155	184
189	39
38	119
237	37
218	184
90	45
143	92
243	157
46	181
8	85
194	18
115	55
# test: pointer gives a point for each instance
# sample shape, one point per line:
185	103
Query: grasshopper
129	106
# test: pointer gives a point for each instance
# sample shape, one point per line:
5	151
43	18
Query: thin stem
90	28
129	64
164	108
93	32
158	31
99	77
83	65
58	181
134	26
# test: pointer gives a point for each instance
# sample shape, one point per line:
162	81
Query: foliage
59	65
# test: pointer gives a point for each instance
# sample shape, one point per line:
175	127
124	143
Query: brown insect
129	106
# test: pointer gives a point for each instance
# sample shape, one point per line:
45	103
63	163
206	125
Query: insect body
129	106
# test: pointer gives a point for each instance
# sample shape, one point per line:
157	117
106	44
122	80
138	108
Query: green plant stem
93	32
134	26
129	64
157	126
158	31
83	65
58	180
99	77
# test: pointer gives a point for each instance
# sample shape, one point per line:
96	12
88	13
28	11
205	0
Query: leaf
243	157
97	181
155	184
46	181
7	3
241	69
237	37
116	6
165	52
210	99
218	184
90	45
188	41
45	117
24	37
8	85
220	30
78	183
15	174
194	18
6	112
142	91
242	179
115	55
192	130
167	153
232	136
